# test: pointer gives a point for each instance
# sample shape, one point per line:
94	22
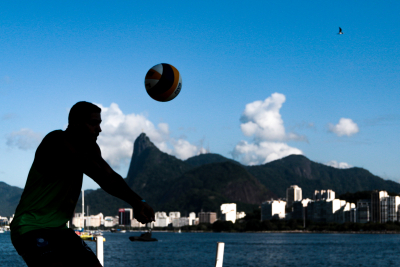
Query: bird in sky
340	31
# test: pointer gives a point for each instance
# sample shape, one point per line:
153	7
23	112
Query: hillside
208	158
208	186
9	199
206	181
310	176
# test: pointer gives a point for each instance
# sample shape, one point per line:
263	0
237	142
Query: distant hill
9	199
206	181
310	176
208	158
208	186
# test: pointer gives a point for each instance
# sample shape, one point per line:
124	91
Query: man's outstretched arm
111	182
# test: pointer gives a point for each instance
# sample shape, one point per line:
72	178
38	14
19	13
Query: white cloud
24	139
344	127
8	116
262	120
338	165
263	152
119	132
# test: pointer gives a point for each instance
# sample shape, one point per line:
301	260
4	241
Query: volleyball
163	82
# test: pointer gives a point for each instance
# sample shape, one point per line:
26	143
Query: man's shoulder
54	136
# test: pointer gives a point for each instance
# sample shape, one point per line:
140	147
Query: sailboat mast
83	208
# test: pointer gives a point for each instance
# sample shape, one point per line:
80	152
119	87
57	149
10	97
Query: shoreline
275	232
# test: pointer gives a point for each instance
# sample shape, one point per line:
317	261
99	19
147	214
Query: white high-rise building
323	211
192	218
327	195
293	193
110	221
390	209
174	215
240	215
228	212
273	208
376	198
161	219
136	224
87	221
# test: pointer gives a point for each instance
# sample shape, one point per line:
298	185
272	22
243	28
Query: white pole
99	249
220	254
83	208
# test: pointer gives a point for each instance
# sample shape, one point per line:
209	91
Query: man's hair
80	112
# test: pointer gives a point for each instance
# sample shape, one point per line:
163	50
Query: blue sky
261	79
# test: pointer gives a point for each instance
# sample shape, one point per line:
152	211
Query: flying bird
340	31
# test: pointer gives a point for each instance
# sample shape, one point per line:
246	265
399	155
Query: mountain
9	199
151	174
208	158
310	176
206	181
170	184
208	186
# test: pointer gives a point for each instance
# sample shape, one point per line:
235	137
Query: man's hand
143	212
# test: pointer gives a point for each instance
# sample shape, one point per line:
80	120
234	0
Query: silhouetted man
38	231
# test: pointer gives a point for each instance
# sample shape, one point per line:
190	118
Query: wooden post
99	249
220	254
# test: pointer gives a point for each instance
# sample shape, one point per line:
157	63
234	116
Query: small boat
146	237
1	231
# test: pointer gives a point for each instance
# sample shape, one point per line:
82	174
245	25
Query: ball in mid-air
163	82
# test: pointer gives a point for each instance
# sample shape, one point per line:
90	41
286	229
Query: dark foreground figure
38	231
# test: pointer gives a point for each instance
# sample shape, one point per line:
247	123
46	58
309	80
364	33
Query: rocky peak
141	143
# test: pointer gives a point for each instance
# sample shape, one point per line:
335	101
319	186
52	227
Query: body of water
241	249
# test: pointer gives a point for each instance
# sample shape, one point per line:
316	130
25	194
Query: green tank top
52	188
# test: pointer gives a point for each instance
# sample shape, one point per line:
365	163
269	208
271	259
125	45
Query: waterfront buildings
390	209
80	221
192	219
376	198
125	216
363	210
110	221
161	219
293	193
228	212
273	209
324	194
207	217
136	224
4	221
300	209
240	215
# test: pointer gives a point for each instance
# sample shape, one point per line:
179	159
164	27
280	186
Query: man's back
52	188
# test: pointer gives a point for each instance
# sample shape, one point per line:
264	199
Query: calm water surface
241	249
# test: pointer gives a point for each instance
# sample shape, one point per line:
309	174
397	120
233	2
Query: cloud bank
262	121
24	139
119	132
338	165
344	127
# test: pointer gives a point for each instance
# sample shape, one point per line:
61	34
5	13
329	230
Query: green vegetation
9	199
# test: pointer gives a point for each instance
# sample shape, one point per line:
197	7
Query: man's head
84	117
